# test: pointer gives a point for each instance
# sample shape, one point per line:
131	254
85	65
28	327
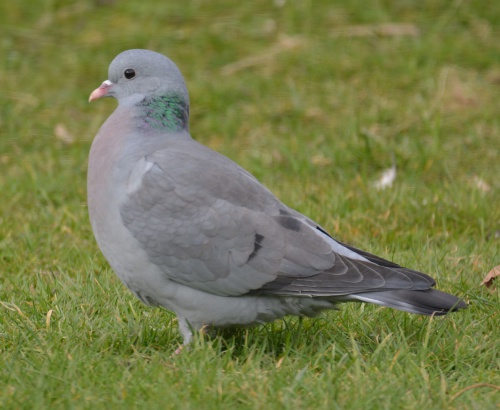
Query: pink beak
101	91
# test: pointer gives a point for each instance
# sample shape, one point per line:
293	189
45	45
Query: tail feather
423	302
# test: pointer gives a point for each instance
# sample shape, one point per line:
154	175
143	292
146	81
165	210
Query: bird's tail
423	302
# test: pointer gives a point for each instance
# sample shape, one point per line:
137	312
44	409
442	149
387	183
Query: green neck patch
169	112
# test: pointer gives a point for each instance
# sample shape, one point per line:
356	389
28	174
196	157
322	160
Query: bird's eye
129	73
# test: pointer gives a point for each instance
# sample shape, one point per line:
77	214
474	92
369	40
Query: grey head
142	72
151	81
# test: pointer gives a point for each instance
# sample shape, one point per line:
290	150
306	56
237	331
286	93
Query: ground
317	99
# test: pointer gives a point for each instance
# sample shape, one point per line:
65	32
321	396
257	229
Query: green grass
316	113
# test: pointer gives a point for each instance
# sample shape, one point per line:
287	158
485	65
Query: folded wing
208	224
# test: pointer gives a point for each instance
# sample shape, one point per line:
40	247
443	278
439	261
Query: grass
315	99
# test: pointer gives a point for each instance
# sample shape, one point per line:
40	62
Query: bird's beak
102	91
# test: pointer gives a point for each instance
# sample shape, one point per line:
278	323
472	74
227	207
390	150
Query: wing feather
207	223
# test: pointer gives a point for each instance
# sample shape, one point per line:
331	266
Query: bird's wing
208	224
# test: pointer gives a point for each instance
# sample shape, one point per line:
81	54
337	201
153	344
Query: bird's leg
186	332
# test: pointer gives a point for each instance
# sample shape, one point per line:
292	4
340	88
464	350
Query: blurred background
379	119
316	98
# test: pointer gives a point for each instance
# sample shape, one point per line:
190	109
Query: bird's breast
111	162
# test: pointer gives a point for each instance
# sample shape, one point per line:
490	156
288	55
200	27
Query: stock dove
188	229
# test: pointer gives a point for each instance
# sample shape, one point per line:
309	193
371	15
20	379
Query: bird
187	229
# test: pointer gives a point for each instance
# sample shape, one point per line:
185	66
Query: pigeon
187	229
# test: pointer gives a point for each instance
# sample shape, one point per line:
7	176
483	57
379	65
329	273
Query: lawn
317	100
